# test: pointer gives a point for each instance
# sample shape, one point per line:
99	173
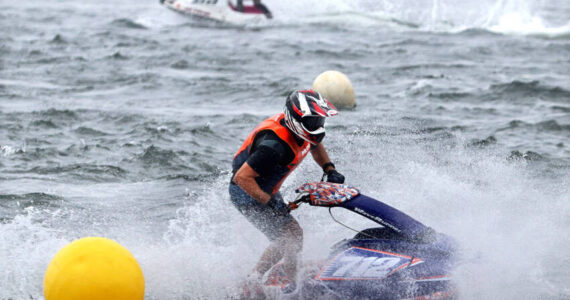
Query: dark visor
313	123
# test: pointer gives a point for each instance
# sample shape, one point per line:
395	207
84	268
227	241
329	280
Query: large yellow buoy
94	268
336	87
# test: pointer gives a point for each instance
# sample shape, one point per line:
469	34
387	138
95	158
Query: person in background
257	4
268	155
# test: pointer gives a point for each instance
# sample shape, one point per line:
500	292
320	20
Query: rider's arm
321	157
266	155
245	179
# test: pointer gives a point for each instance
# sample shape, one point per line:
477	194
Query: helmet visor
313	123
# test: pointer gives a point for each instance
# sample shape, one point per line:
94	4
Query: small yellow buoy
336	87
94	268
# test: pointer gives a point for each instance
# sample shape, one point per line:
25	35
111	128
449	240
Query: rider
268	155
257	4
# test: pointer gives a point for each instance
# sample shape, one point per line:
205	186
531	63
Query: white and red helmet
305	113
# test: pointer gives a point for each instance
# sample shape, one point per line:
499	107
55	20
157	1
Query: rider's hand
334	176
276	202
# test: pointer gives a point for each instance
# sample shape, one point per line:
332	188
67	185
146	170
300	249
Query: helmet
305	113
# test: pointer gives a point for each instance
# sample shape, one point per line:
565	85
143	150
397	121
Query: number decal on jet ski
365	264
366	267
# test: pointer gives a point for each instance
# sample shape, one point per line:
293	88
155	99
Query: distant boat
216	10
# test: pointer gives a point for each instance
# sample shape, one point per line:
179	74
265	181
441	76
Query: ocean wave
164	162
180	64
452	96
244	119
28	84
491	16
122	119
45	124
51	118
408	67
29	197
531	88
162	129
12	205
564	109
154	156
528	156
60	114
203	130
82	130
490	140
562	32
547	126
215	172
127	23
118	56
9	150
82	171
524	24
552	125
53	60
58	39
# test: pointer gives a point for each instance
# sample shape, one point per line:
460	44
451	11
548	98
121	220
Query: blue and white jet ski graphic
358	263
399	259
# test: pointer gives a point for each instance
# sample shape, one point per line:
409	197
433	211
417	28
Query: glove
334	176
277	204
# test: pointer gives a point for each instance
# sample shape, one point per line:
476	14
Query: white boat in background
217	10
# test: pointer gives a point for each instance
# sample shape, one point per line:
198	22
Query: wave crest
531	88
512	17
127	23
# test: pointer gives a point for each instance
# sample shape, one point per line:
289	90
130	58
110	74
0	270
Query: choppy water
120	119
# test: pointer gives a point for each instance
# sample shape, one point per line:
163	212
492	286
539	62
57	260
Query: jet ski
399	259
217	10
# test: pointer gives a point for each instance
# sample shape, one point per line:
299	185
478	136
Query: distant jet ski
400	259
217	10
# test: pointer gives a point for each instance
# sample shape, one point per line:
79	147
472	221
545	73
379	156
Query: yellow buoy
94	268
336	87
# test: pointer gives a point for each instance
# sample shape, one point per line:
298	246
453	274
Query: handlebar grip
301	198
293	205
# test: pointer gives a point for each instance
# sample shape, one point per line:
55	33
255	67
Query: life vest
271	184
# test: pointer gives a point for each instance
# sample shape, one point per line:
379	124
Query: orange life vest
271	184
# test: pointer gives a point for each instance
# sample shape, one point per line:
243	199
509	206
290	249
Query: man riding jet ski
267	156
257	4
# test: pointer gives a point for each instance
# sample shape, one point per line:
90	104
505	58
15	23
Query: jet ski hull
400	259
215	10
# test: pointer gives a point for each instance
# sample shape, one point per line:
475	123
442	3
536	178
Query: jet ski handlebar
323	194
304	197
